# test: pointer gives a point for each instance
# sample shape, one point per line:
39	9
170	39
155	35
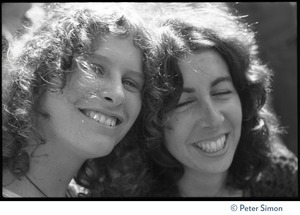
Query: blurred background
277	38
276	27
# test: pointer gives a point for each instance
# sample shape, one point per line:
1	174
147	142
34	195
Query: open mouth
110	121
212	146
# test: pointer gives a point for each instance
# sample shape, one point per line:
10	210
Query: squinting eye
130	83
86	66
222	93
97	69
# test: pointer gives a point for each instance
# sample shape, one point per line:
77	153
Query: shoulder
280	178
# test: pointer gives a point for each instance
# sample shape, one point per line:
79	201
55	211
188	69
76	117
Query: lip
215	154
120	118
211	138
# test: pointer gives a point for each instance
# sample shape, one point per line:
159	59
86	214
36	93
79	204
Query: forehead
203	58
118	50
114	43
206	63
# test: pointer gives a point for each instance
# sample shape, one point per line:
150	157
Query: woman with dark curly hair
215	134
71	91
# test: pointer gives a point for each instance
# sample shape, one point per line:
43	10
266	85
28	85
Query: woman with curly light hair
72	91
215	134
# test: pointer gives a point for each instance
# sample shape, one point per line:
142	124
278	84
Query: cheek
80	87
235	114
169	137
133	105
175	141
170	123
239	112
175	131
179	122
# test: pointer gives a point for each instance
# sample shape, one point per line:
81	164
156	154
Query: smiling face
97	106
204	129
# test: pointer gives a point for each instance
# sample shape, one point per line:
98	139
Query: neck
52	167
196	184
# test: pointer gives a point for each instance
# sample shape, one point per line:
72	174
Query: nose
211	116
113	93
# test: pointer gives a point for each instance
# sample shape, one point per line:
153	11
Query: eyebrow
137	74
102	57
188	90
99	56
214	83
221	79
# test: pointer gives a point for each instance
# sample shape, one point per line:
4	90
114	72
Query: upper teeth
212	146
101	118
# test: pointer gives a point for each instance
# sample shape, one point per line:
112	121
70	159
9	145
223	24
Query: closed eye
222	93
184	104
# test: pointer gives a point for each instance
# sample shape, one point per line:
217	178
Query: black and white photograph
150	101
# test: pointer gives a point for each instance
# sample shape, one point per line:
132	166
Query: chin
100	153
99	149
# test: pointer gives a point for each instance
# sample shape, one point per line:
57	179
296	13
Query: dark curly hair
40	60
215	28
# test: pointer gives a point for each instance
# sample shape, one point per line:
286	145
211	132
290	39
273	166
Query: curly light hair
40	61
